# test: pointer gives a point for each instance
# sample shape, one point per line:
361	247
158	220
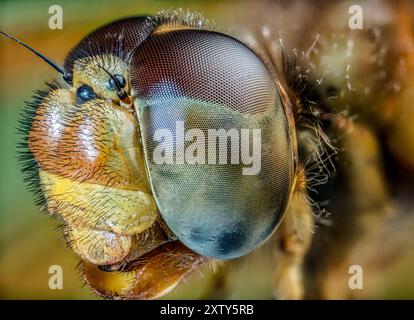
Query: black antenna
120	92
66	76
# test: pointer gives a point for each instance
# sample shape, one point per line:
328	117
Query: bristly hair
311	112
312	118
179	18
29	167
316	151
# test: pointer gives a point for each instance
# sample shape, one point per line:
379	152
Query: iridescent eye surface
216	139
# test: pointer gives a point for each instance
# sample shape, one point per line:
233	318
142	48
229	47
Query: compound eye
216	138
84	94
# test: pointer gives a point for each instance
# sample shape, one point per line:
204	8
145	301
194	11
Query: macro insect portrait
207	150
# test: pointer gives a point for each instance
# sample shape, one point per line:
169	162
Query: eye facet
84	94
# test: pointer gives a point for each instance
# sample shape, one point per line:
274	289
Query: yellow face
92	171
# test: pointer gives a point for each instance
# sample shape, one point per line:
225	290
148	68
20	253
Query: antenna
66	76
122	95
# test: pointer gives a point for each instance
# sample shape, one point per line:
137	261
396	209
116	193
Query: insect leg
294	238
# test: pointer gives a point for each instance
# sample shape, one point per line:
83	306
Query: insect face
94	144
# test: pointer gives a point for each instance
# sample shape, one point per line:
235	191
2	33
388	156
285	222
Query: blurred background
29	243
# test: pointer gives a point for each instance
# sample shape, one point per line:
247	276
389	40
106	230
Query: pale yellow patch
98	247
86	205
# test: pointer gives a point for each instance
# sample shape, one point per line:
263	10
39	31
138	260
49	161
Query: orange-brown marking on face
97	142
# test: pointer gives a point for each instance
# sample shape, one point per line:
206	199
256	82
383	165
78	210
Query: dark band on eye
84	94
